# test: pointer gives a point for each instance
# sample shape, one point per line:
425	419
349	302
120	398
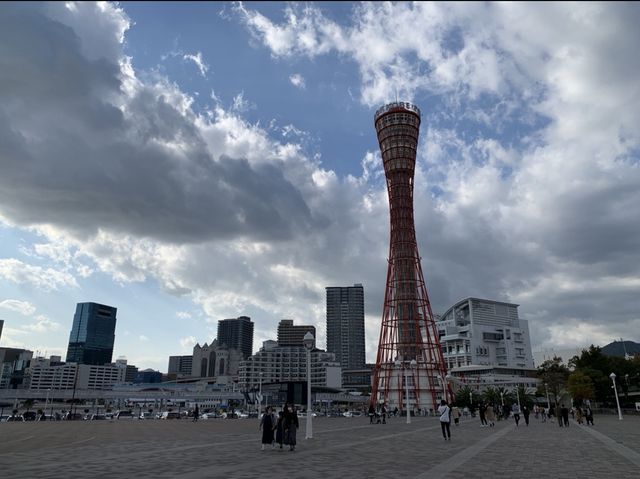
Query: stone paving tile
342	447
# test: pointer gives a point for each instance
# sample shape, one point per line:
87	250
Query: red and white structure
410	371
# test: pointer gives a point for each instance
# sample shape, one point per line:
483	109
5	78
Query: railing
397	104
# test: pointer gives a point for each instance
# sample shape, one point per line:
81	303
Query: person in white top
445	419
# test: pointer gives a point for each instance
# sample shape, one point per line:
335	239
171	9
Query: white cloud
143	338
188	343
297	80
183	315
46	279
23	307
42	325
197	59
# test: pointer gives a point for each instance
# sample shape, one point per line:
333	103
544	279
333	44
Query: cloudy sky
189	163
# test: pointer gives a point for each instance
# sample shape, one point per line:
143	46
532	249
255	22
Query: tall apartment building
279	364
92	334
486	338
180	365
291	335
345	325
1	326
237	333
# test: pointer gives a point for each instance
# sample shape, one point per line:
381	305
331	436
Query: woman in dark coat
267	424
291	424
279	429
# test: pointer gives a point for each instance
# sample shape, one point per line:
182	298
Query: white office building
279	364
486	343
44	376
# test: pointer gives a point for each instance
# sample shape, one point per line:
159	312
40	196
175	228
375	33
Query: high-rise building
408	336
1	325
345	325
290	335
237	333
92	334
13	365
180	365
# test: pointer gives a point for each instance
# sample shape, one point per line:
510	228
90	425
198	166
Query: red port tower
410	372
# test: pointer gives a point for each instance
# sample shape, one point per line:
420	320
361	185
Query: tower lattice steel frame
408	330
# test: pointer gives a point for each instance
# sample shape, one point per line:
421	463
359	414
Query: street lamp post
502	398
46	402
518	396
547	393
447	378
615	390
309	342
259	392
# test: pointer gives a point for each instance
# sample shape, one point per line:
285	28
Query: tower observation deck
409	348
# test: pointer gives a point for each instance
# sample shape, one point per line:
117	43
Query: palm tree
491	395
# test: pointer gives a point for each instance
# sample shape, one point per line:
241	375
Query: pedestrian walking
490	415
196	413
588	414
483	415
267	423
515	410
579	415
279	429
525	413
291	425
506	410
564	413
543	414
384	414
445	419
455	414
372	413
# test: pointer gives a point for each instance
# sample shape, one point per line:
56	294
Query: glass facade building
92	334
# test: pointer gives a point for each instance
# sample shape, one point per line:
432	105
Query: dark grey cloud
70	156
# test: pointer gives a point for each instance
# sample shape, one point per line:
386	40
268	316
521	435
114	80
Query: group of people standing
280	429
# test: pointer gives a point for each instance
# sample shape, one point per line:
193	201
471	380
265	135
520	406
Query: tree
491	395
527	398
466	397
581	386
28	403
554	376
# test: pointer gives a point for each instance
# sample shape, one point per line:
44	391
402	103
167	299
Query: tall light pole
615	390
259	391
547	393
518	396
447	378
309	342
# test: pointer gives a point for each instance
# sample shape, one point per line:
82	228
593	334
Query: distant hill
616	348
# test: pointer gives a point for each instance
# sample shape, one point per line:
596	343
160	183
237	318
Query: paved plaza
341	447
